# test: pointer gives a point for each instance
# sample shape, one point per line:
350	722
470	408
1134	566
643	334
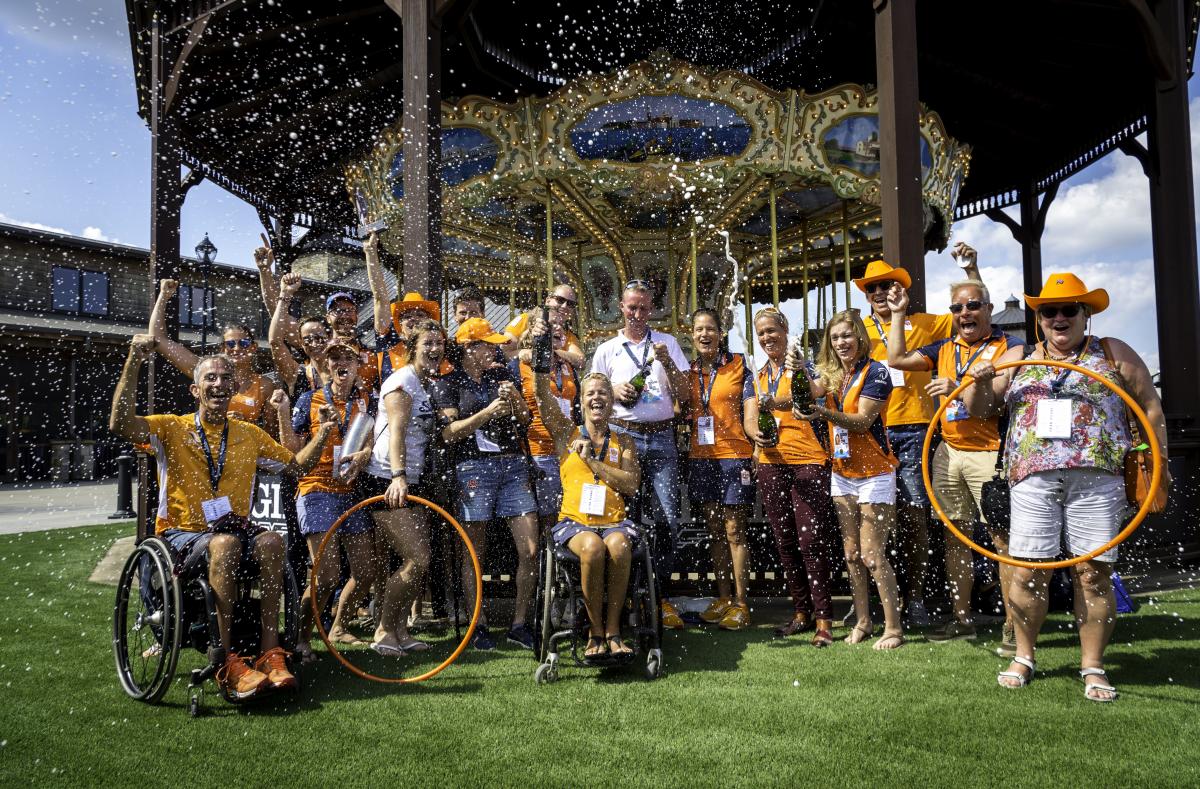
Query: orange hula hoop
1147	432
466	639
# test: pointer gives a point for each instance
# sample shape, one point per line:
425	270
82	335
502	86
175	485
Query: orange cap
478	330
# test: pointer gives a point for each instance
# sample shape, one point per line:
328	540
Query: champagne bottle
638	381
767	426
802	399
543	347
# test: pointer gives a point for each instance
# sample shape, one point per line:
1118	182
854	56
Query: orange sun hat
1066	288
878	270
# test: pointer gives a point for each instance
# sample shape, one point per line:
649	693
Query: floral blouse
1100	428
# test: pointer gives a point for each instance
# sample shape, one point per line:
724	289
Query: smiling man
966	458
206	468
909	410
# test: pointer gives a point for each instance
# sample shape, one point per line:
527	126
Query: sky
76	160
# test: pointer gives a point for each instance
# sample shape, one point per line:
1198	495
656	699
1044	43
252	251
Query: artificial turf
733	708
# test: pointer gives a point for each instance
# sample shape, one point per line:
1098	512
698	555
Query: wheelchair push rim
1149	435
147	679
470	631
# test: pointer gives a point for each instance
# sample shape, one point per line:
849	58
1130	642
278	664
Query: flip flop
601	645
622	652
387	650
413	645
877	645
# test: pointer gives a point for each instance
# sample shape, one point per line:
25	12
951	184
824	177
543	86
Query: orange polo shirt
798	443
562	386
730	386
954	357
909	404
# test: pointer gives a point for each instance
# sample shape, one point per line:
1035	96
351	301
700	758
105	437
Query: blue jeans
658	496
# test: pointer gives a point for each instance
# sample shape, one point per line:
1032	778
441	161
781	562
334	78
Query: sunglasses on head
974	305
1050	311
638	283
245	342
884	285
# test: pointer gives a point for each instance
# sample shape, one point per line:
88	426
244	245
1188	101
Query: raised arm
264	259
174	352
557	424
285	363
287	436
379	288
123	420
966	257
899	356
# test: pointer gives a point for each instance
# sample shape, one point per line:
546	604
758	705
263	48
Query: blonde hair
601	377
829	366
771	312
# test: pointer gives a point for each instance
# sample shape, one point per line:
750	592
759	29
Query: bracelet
397	474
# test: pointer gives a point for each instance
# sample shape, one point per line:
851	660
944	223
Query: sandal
622	648
860	633
895	641
597	646
824	635
1021	677
411	644
1088	689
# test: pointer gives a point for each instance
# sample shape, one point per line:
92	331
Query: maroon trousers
797	503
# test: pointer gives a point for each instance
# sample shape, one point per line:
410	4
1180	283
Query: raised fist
289	284
167	288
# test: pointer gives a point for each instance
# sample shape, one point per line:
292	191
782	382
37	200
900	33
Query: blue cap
339	295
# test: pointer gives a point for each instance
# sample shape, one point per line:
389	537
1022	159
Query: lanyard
592	448
960	368
839	399
645	351
879	328
558	377
214	471
349	401
706	391
773	383
1061	377
314	376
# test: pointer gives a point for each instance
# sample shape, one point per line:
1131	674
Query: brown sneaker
238	681
273	664
670	616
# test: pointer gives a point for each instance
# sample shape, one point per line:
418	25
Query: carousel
709	186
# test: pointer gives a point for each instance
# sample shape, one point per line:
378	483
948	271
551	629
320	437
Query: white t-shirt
614	360
421	424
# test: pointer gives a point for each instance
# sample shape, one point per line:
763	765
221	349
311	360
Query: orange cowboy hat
1066	288
878	270
415	301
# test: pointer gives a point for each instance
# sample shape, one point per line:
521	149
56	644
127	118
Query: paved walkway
39	506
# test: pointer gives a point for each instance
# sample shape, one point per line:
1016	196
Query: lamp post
206	251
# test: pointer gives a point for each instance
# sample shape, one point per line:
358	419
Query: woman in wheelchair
598	469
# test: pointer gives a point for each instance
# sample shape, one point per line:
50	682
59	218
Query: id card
746	480
215	509
841	443
484	443
705	433
614	455
1054	418
897	376
957	411
591	499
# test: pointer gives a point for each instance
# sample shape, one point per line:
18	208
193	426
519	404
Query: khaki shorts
958	478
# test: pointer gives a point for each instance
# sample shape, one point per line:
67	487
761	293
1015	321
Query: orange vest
870	452
798	444
540	442
575	473
727	393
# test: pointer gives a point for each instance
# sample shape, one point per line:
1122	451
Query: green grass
734	709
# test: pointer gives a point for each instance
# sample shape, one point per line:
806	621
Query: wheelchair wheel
146	622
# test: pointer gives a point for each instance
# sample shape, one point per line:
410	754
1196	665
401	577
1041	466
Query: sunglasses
563	300
884	285
638	283
974	305
245	342
1051	311
314	339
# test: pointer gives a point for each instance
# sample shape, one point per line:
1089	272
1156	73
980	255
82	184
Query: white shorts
1089	502
880	489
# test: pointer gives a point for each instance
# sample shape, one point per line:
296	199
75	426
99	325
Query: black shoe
520	635
482	640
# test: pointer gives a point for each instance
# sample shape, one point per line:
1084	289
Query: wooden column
1033	220
1173	227
899	141
422	146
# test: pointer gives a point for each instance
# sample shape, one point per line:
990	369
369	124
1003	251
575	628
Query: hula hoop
466	639
1148	433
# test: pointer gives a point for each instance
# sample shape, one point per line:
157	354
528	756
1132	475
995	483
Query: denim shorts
907	442
494	487
721	481
318	510
549	486
566	529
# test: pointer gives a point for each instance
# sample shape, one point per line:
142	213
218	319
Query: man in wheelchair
206	469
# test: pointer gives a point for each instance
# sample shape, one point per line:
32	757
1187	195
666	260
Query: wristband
397	474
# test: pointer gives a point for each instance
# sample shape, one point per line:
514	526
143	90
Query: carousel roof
273	100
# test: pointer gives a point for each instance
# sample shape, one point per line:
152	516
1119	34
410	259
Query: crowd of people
584	453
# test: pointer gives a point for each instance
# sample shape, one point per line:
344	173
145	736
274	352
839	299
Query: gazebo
277	102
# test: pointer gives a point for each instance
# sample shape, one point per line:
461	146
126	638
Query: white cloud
90	232
95	234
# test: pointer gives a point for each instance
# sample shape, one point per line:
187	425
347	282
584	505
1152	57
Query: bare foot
596	647
339	636
889	641
860	632
616	646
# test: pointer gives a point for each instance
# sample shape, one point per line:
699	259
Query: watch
397	474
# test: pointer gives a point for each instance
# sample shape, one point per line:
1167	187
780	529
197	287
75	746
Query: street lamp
206	251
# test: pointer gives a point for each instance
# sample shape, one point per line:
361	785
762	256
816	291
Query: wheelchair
160	609
560	618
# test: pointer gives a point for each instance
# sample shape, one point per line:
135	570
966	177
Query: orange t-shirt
798	444
870	452
304	416
909	404
562	386
725	390
575	474
953	358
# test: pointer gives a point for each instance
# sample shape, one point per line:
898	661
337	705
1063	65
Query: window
79	291
192	305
